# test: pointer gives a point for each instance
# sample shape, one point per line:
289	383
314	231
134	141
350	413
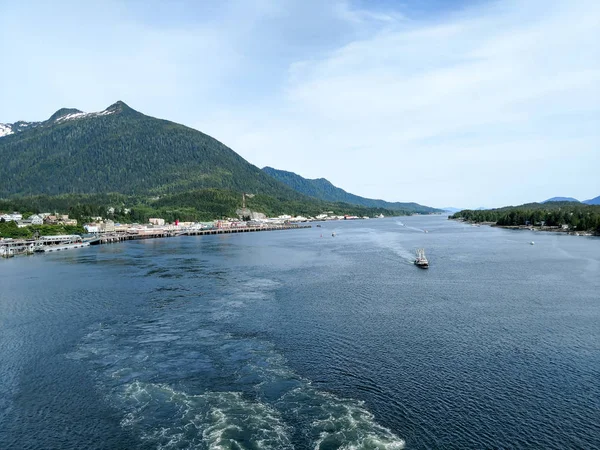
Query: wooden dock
243	230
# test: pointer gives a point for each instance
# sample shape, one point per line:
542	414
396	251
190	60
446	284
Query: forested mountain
323	189
119	159
121	150
592	201
561	199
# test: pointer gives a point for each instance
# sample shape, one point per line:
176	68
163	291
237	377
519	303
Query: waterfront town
103	230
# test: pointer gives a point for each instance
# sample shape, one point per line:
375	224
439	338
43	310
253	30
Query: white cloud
494	93
494	104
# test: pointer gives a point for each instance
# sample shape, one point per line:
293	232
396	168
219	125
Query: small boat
421	260
333	234
532	243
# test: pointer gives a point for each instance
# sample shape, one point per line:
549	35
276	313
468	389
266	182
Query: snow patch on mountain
5	130
60	116
106	112
71	116
81	115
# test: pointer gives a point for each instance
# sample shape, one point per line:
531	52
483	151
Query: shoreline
531	228
17	247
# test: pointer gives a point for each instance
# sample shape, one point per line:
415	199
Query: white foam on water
255	289
334	422
214	420
340	423
137	363
241	295
392	242
420	230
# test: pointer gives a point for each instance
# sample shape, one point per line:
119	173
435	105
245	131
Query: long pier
11	247
108	238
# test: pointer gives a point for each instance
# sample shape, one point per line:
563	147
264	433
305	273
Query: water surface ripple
291	340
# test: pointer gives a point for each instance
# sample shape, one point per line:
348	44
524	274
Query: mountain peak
62	112
561	199
118	107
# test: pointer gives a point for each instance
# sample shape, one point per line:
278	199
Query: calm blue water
292	340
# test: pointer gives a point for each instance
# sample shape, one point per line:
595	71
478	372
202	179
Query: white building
157	221
92	227
36	219
108	226
14	217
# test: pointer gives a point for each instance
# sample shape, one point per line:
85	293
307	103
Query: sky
445	103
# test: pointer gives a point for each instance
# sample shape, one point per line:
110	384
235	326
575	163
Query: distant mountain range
561	199
592	201
324	190
88	158
451	209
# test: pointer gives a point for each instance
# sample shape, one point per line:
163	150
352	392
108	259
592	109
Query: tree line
554	214
194	206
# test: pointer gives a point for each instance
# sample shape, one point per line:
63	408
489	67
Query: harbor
45	244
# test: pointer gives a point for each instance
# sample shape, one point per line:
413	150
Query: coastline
531	228
15	247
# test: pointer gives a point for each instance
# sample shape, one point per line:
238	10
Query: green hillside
323	189
194	205
84	164
122	150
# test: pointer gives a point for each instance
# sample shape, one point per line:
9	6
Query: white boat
532	243
421	260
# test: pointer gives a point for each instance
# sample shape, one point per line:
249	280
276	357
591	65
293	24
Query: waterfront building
108	226
92	227
157	221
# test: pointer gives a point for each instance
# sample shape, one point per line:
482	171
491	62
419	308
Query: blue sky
468	104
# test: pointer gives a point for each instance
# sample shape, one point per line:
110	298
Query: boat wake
213	420
403	225
181	381
392	242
